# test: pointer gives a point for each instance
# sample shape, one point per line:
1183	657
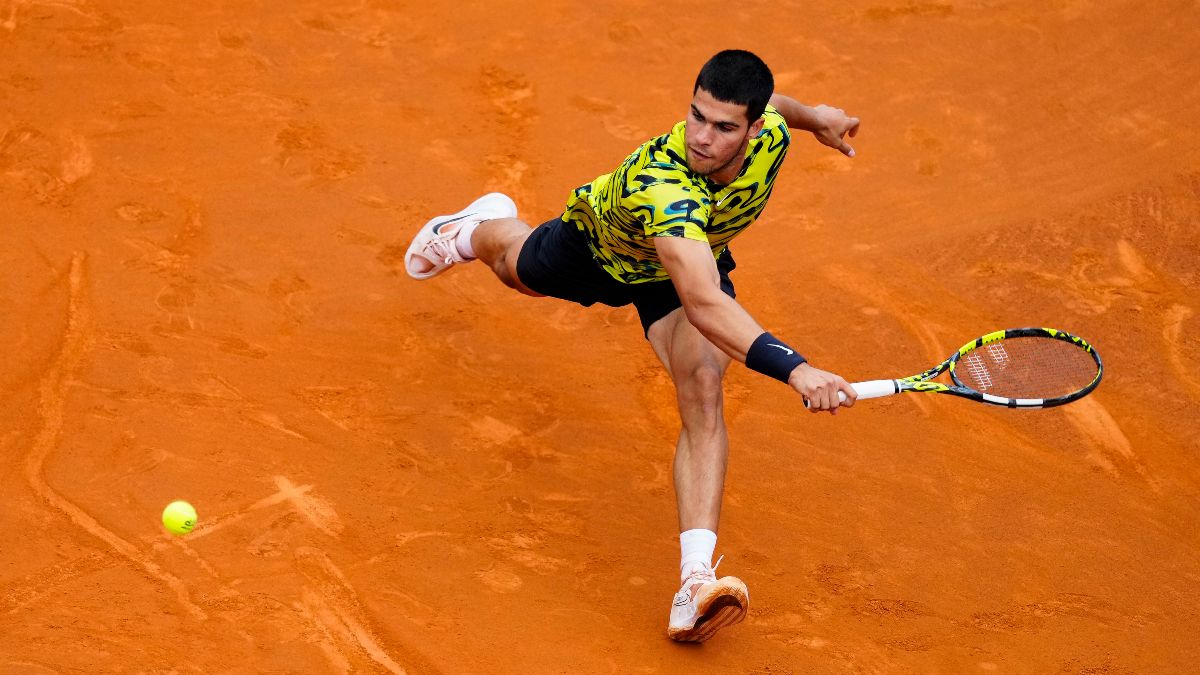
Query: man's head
728	100
737	76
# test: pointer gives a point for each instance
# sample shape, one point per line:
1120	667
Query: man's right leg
705	603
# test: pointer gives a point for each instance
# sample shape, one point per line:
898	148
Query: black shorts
556	261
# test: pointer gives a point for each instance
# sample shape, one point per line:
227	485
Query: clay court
205	208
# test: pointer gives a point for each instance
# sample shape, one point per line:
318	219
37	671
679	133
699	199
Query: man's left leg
704	604
488	230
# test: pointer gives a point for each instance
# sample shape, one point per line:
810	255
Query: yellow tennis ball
179	517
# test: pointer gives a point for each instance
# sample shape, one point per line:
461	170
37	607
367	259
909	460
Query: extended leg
487	229
704	603
697	368
498	244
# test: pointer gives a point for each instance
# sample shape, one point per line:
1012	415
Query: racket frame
921	382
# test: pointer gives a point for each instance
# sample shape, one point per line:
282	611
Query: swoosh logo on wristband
789	351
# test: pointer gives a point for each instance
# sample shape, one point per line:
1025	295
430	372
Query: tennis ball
179	517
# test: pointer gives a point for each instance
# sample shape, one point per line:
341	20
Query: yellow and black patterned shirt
654	194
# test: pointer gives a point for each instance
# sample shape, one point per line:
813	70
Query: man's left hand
834	125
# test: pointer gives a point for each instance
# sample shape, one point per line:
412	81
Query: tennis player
655	233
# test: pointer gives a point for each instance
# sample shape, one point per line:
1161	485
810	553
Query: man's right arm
727	325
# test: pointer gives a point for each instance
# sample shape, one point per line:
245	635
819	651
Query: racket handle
872	389
869	389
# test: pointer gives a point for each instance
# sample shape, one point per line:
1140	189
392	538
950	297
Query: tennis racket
1016	368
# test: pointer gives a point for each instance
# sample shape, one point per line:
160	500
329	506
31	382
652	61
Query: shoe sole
724	606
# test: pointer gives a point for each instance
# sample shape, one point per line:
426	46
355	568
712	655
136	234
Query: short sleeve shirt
653	193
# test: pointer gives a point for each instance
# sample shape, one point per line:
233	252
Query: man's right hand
820	388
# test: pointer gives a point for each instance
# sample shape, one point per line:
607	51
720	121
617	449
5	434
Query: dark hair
737	76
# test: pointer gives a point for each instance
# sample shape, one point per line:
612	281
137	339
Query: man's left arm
830	125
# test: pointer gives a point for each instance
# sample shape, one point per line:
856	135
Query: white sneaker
706	604
433	250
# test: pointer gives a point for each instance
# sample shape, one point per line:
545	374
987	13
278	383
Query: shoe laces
444	248
702	574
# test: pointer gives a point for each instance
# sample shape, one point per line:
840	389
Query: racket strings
1027	368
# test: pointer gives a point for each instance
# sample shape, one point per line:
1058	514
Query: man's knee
506	266
699	388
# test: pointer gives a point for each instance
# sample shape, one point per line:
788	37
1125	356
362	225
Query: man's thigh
656	299
556	261
682	348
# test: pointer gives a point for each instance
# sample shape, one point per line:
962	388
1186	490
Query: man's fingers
833	400
851	395
828	393
851	131
817	400
823	398
831	391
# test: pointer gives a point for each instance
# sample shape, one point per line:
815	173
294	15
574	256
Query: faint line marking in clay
315	509
1094	420
1112	450
191	553
1133	262
78	163
321	618
52	395
272	421
11	22
500	579
1174	335
404	537
333	605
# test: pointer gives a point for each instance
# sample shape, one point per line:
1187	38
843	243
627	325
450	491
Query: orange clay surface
203	213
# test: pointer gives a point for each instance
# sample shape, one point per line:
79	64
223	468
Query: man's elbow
701	308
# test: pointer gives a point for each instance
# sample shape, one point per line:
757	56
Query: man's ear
757	127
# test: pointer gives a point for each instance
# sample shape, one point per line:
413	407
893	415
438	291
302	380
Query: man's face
716	135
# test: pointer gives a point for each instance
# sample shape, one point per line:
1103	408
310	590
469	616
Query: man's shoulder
665	153
773	118
775	128
660	166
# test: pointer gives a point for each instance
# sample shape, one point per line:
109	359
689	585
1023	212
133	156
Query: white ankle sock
462	240
697	548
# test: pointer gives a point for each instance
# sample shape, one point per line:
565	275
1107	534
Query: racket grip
872	389
869	389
